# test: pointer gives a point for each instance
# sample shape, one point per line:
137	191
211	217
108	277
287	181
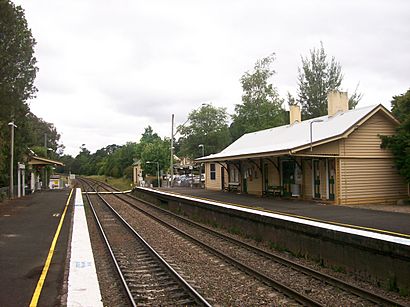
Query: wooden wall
365	173
373	178
217	183
370	181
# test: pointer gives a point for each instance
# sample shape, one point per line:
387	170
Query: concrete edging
382	262
83	287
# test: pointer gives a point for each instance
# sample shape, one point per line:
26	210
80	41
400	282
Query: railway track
147	278
259	256
213	272
265	265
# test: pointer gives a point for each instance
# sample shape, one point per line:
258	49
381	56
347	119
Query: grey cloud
136	62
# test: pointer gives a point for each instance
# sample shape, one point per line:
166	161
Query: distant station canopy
36	165
40	162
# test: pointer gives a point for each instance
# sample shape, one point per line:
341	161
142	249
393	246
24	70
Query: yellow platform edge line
396	234
41	280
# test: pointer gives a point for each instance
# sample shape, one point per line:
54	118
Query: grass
120	183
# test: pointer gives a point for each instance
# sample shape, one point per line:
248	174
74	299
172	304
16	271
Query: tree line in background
116	161
17	73
210	126
261	108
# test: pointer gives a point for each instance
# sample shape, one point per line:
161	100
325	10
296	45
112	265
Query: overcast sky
108	69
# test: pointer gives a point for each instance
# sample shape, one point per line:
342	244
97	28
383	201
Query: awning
43	161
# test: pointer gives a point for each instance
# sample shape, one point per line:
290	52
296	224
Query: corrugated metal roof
39	160
293	136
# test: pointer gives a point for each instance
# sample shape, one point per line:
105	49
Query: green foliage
17	61
122	184
152	148
81	165
156	151
399	144
149	136
261	106
207	126
112	160
17	74
317	77
116	161
68	161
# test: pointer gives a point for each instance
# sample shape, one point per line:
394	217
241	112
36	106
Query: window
212	171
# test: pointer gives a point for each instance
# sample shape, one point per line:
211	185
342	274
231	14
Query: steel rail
113	258
336	282
300	298
108	245
188	288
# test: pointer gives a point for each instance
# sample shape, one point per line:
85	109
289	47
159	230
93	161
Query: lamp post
45	167
172	146
11	188
200	169
150	162
311	137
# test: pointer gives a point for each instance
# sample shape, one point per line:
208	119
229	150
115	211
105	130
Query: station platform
35	248
388	222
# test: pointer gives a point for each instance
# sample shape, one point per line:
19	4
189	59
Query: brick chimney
337	102
294	113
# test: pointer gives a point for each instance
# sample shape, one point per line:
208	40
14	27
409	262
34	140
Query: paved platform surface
83	287
381	220
27	228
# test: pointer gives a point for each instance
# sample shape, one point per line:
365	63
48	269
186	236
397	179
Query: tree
261	106
113	160
68	161
17	73
149	136
81	163
399	143
17	61
316	78
116	161
157	151
208	126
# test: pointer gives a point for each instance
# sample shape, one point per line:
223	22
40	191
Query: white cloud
108	70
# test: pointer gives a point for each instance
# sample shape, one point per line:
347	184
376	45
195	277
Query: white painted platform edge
354	231
83	287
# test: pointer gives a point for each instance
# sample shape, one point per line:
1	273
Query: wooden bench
233	186
274	190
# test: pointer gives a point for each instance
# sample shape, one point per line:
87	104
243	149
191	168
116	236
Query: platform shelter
335	158
37	165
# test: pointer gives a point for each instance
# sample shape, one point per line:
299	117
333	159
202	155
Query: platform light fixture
200	169
11	188
173	134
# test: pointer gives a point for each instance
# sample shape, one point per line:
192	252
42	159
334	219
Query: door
288	176
245	186
316	178
265	177
222	178
331	178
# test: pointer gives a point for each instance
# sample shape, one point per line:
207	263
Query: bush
3	196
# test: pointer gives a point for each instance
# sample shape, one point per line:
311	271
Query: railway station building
335	158
36	167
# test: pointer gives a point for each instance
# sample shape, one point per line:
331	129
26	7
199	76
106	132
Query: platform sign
54	183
